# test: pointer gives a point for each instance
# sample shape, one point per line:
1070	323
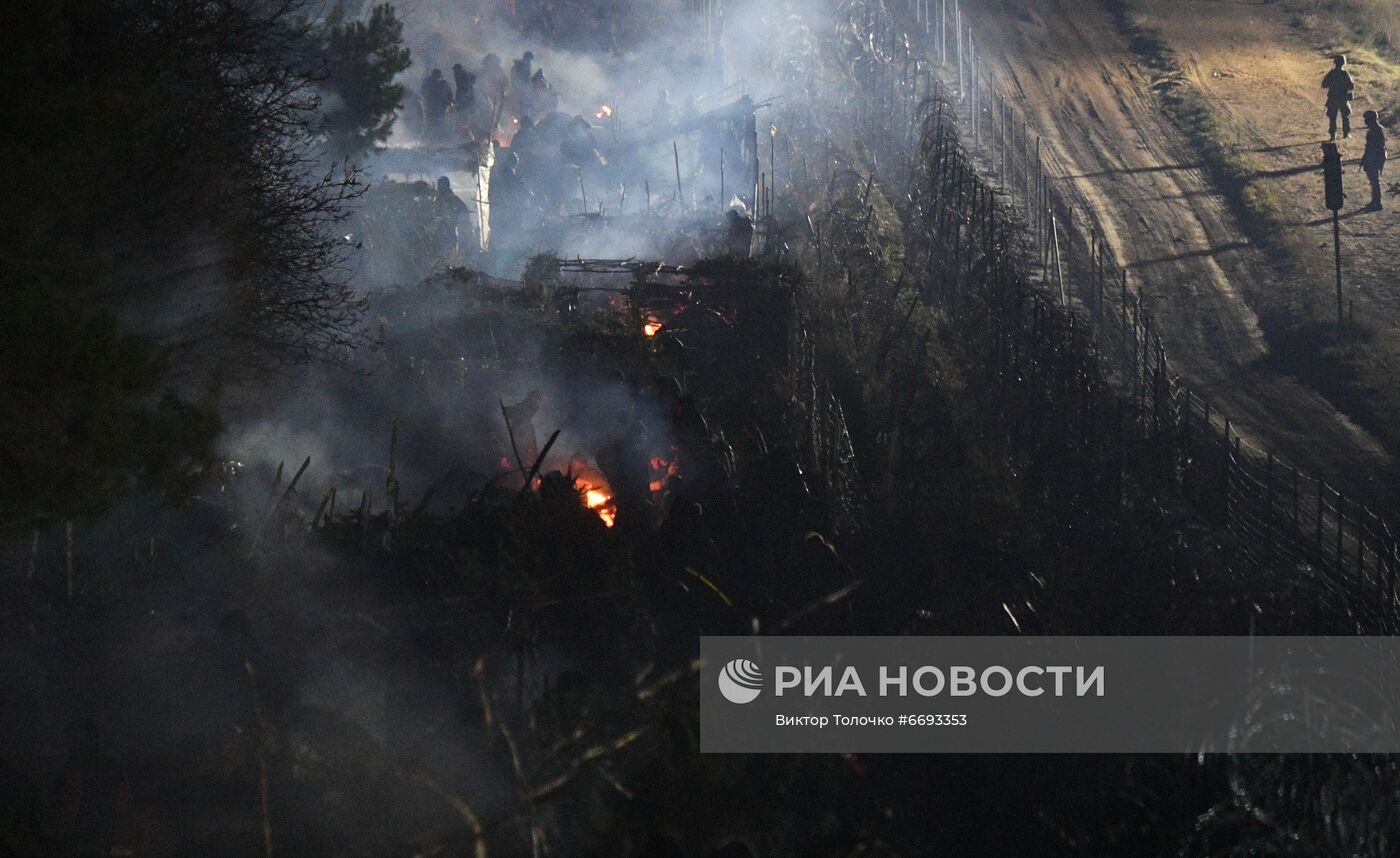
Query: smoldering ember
396	393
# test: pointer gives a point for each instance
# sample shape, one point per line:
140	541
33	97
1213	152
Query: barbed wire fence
1021	268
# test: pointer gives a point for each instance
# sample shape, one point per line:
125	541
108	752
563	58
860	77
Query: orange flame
597	494
652	326
601	502
603	112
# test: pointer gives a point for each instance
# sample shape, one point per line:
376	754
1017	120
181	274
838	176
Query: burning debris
593	487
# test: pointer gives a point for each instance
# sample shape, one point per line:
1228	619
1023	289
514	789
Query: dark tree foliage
85	412
165	199
361	99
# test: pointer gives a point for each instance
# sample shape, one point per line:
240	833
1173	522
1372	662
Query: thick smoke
176	664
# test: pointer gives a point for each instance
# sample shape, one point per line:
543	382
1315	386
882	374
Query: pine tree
360	98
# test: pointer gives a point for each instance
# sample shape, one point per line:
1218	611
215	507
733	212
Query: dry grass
1368	32
1377	22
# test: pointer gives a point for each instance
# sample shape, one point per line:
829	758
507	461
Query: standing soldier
1339	86
1373	161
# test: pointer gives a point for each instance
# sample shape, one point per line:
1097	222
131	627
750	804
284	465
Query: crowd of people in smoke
508	125
528	163
471	106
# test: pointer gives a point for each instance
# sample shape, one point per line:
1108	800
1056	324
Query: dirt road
1066	65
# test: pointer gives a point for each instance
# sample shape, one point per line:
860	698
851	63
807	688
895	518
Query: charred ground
882	422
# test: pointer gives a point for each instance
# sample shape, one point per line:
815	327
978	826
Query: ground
1210	284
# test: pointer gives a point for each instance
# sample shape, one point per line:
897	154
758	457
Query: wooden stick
292	485
676	153
535	468
320	510
511	432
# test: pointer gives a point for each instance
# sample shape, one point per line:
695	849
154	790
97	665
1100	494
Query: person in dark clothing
437	97
579	146
448	213
465	83
509	197
522	70
541	98
1339	86
739	236
521	144
1373	161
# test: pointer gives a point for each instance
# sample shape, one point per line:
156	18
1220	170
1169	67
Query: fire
597	494
603	112
652	326
600	502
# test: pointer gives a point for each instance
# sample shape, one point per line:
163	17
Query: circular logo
740	681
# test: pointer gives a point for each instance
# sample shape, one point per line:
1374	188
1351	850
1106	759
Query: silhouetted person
437	97
579	146
739	237
509	196
1373	161
541	98
465	83
1339	86
522	70
522	143
448	212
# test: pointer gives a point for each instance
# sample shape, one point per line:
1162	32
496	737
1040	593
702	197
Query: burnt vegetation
482	641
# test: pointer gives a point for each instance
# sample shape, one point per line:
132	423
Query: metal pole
972	82
1039	191
772	165
957	25
943	32
1337	253
1026	160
